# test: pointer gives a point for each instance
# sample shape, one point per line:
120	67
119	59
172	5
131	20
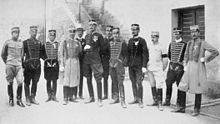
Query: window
191	16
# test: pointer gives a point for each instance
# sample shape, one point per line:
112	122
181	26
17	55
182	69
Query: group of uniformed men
98	56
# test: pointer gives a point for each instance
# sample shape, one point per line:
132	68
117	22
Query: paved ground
80	113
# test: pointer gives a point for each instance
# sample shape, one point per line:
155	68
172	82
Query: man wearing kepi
79	38
156	67
105	56
92	61
176	55
194	77
70	50
118	60
51	65
33	51
12	52
137	62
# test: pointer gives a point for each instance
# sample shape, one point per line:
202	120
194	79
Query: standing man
70	51
92	62
33	51
79	38
51	65
118	61
12	52
176	55
156	69
194	77
105	56
137	61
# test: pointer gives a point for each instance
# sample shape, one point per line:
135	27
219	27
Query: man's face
33	33
135	31
116	34
52	37
195	34
80	33
108	31
154	38
72	34
92	27
15	35
177	35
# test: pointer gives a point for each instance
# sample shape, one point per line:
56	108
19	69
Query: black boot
90	87
19	96
168	96
27	95
181	96
198	98
10	94
49	91
134	89
160	98
72	97
122	95
99	93
105	88
140	95
154	95
54	91
65	95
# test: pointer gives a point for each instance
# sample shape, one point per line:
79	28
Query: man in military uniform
92	61
12	56
33	51
105	56
176	55
79	37
137	62
118	61
51	65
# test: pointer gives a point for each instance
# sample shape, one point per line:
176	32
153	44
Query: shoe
104	98
55	99
140	104
73	100
133	102
11	102
196	112
49	99
160	107
65	102
153	104
28	103
166	103
90	100
33	101
80	97
179	110
114	101
123	105
19	103
100	103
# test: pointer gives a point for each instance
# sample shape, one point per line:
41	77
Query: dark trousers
135	74
117	76
31	75
105	77
80	88
174	74
51	88
97	69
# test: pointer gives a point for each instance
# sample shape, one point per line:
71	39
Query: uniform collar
179	40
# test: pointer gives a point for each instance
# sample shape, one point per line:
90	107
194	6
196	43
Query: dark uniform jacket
138	54
105	51
92	55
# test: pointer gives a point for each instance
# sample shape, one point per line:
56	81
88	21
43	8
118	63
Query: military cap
72	29
155	33
136	26
52	32
177	30
33	27
194	28
92	22
13	29
80	28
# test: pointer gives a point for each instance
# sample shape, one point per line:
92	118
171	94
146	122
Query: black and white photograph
110	62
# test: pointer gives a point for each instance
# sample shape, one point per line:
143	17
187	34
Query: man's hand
87	47
144	70
61	68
